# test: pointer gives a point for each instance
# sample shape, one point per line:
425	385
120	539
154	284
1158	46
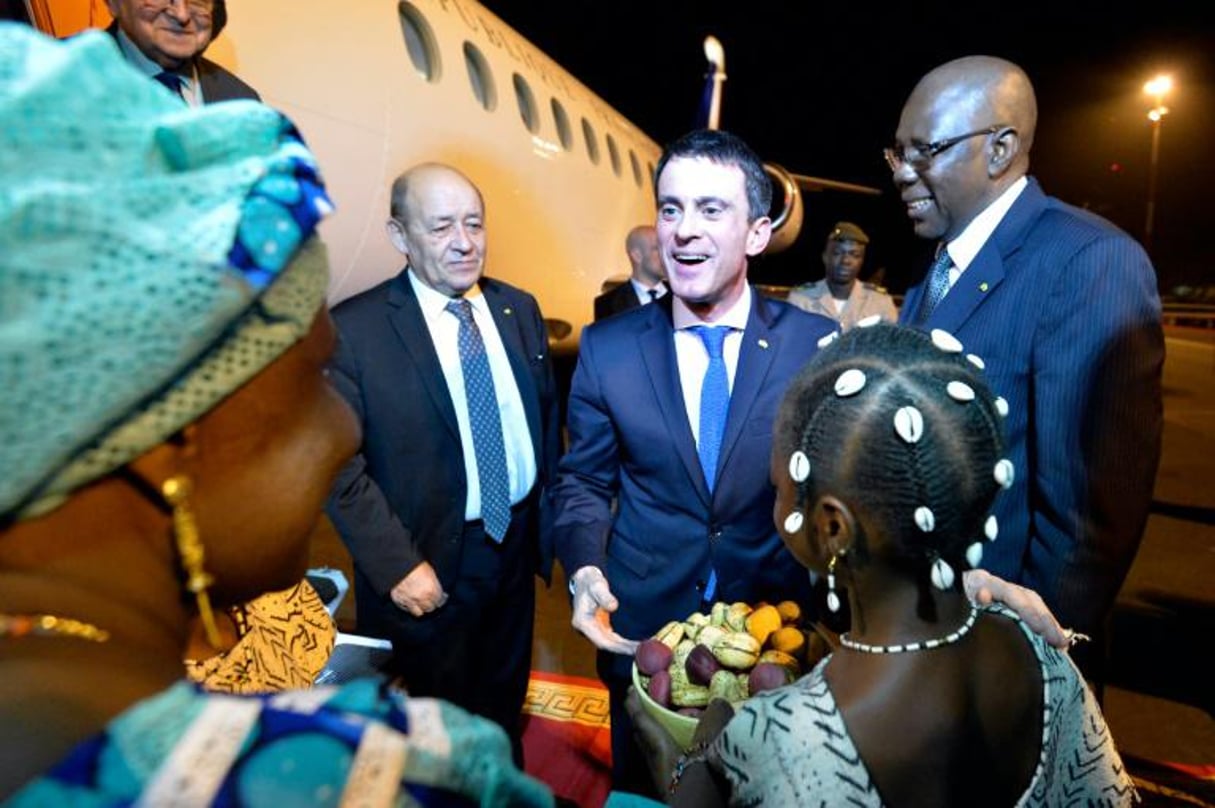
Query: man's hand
419	592
593	603
982	588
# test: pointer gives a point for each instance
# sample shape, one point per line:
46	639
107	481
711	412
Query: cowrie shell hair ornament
909	423
794	521
924	519
960	391
974	554
871	320
1004	473
850	382
799	466
976	361
827	340
945	341
991	528
942	574
1002	406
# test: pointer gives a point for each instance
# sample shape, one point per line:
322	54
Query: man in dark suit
166	38
645	283
1063	309
416	505
686	531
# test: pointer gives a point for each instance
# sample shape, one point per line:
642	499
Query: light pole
1157	88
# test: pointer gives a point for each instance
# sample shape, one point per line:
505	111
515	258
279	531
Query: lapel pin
983	286
763	343
509	311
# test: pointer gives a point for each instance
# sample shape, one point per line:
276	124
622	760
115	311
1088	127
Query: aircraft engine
787	208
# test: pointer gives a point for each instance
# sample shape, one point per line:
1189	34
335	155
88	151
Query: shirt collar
735	317
434	303
144	65
964	248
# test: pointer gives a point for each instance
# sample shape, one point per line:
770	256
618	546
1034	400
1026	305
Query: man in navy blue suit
682	535
1063	309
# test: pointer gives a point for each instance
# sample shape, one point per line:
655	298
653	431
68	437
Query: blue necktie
714	400
172	81
486	423
714	403
938	285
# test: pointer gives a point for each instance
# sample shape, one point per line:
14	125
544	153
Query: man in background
166	38
450	376
840	295
645	284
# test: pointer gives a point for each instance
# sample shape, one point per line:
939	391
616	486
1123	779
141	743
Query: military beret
847	231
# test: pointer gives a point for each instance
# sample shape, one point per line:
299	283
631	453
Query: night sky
818	88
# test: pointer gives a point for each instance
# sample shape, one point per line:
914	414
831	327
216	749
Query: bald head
963	139
642	247
987	90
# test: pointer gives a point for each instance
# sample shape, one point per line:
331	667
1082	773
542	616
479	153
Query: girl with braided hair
886	461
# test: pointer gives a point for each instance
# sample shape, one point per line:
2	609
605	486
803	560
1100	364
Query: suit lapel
405	316
656	345
755	356
986	272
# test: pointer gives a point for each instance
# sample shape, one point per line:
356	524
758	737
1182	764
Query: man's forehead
696	177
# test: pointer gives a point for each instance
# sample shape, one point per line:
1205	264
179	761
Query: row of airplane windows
424	54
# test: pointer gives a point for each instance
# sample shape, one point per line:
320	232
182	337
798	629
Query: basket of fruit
732	652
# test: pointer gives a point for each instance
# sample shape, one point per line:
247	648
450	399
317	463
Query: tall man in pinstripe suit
1063	309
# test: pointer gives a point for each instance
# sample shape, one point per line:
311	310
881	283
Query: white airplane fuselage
377	86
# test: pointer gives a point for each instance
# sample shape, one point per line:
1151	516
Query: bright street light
1157	88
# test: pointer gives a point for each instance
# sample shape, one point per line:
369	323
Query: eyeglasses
920	155
197	8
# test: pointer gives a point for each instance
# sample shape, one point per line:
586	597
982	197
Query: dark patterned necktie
937	286
486	423
173	82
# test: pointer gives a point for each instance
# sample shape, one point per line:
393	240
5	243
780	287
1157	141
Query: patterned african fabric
285	639
363	744
791	747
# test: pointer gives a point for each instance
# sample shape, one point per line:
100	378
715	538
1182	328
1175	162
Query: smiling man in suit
450	375
1063	309
166	38
670	415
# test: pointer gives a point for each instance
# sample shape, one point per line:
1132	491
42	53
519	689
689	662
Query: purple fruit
701	665
767	676
660	687
691	712
653	656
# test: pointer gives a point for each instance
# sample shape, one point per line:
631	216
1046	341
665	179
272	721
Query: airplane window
527	104
614	153
480	77
650	173
563	125
636	168
592	142
419	42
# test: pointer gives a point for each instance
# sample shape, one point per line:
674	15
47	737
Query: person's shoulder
874	288
786	315
361	303
813	289
493	286
233	86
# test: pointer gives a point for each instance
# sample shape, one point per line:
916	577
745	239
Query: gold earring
176	492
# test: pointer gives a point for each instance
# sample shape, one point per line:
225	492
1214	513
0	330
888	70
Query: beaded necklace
923	645
49	625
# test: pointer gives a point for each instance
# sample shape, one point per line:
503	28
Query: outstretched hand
983	588
592	607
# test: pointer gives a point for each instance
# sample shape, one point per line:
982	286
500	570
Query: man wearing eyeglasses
1062	309
166	38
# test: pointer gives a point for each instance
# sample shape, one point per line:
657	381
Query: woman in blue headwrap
167	440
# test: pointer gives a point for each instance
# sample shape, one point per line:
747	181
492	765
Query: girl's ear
835	524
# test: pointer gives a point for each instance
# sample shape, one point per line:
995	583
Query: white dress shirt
964	248
517	437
